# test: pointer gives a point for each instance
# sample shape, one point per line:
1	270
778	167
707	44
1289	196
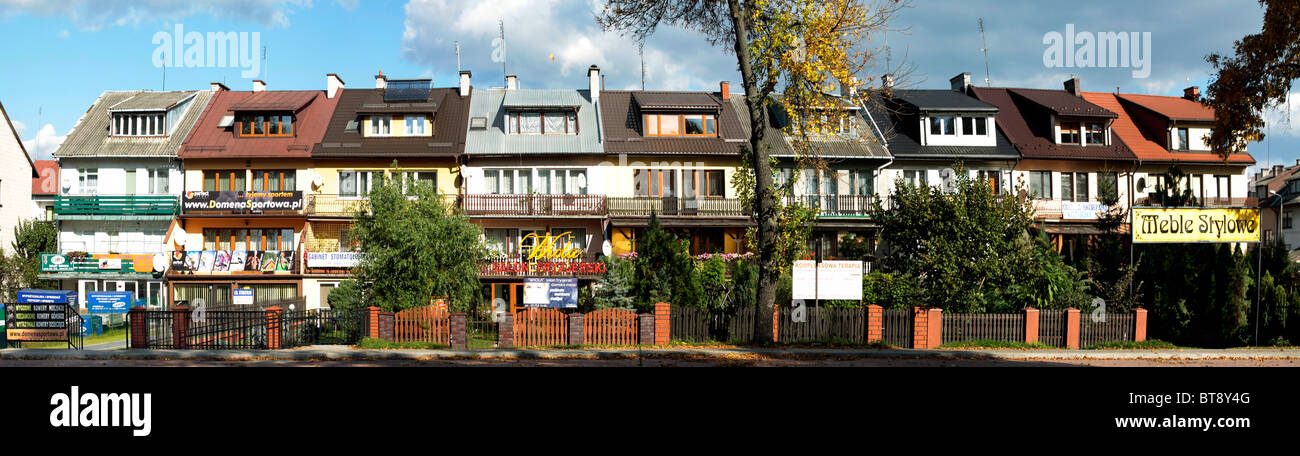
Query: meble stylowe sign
1186	224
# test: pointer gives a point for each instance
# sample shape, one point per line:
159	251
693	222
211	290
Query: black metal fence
482	330
228	329
960	327
322	327
73	321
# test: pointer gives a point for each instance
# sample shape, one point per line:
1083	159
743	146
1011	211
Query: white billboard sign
829	280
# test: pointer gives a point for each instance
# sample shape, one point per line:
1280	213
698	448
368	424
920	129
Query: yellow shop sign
1187	224
550	247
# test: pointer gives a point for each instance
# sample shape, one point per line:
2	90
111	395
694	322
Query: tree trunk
765	200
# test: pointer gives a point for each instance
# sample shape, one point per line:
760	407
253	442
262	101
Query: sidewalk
345	353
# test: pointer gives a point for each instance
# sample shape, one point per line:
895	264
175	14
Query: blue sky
60	54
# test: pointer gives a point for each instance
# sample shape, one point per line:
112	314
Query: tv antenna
501	24
457	56
985	49
640	50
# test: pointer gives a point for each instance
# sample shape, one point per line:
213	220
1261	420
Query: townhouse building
533	179
673	153
45	189
402	121
1270	187
243	218
118	187
929	131
15	180
1070	161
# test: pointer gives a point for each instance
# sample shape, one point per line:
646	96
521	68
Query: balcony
534	205
88	206
515	265
1201	202
673	206
836	205
334	206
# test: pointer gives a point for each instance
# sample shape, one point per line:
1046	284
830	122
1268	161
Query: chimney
217	87
381	81
512	82
724	89
887	81
1277	169
259	85
333	83
1072	86
594	82
1192	93
960	82
849	89
464	83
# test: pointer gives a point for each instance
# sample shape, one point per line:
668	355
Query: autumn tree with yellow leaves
794	53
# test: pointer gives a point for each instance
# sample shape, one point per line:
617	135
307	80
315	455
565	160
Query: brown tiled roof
622	122
1015	114
274	101
676	100
1172	108
449	109
1143	145
207	140
1063	103
48	182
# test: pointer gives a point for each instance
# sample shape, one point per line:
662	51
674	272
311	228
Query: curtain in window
530	122
1067	187
492	179
273	293
555	123
215	295
347	183
545	183
577	182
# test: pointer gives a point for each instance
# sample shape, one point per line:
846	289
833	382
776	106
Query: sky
59	55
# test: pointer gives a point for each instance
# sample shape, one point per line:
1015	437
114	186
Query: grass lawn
1150	344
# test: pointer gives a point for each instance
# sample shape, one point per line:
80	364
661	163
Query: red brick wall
875	323
920	328
662	322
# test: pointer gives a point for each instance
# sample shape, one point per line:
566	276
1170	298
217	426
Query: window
863	182
415	125
977	126
88	180
158	181
1182	139
916	177
419	177
1040	184
703	183
841	126
268	124
1069	133
499	240
1074	187
357	184
143	124
577	238
381	125
543	123
562	181
1286	221
680	125
942	125
992	177
223	180
1221	187
1096	135
655	182
248	239
274	180
509	181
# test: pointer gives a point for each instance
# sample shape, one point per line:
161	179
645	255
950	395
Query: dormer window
139	124
942	125
681	125
1070	133
543	123
381	125
415	125
843	128
1182	139
1096	134
977	126
268	124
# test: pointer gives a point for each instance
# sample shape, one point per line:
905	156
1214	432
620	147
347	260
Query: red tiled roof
207	140
1145	147
1011	120
48	182
1172	108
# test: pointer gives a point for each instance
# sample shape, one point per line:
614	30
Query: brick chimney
1072	86
259	85
512	82
464	83
960	82
595	83
381	81
1192	93
217	87
724	88
333	84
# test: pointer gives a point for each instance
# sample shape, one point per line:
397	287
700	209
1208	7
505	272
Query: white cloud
349	4
42	147
1284	119
90	15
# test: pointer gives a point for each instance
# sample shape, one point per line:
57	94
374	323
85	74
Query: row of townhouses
183	195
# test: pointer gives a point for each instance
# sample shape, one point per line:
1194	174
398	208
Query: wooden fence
965	327
1113	327
422	324
609	327
896	327
823	325
541	327
1051	328
695	324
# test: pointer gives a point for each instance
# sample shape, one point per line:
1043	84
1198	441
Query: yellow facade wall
447	170
621	183
398	126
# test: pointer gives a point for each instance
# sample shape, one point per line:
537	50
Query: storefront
85	273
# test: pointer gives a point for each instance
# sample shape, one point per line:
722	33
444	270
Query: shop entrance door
507	297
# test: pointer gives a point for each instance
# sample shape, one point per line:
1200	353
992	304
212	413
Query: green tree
346	296
34	237
614	289
665	271
414	249
1257	76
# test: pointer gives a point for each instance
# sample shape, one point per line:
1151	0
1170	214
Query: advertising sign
1071	210
243	297
110	263
223	261
551	292
54	262
829	280
242	201
109	301
47	297
97	262
1187	224
333	259
36	322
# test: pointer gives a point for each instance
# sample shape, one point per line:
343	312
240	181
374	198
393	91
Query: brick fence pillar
920	328
387	326
647	329
575	329
1072	328
506	331
459	337
372	322
139	327
875	323
936	328
1031	325
180	326
776	323
662	323
273	318
1139	324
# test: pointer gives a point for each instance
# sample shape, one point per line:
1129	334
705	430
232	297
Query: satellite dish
159	262
582	181
68	180
317	181
606	248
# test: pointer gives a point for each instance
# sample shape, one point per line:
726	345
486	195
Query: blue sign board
47	297
109	301
551	292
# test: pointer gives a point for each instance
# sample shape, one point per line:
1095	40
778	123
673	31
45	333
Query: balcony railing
1200	202
115	205
673	206
516	265
334	205
534	205
836	205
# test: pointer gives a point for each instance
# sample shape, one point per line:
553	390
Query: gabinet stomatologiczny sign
242	201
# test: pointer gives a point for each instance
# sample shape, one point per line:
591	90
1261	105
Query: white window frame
381	126
515	174
414	125
83	177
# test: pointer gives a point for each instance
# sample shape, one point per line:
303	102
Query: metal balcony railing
536	204
115	205
674	206
836	205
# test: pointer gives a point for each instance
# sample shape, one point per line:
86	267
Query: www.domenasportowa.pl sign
1189	224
